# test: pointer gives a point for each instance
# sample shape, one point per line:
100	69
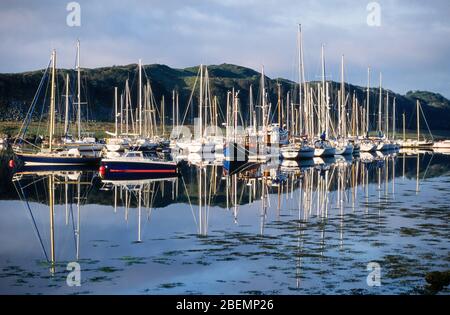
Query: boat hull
41	159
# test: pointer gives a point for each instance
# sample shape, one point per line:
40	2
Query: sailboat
417	143
342	145
88	144
322	146
201	144
145	117
366	144
297	149
381	141
51	155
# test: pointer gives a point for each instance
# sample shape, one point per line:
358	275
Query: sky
410	45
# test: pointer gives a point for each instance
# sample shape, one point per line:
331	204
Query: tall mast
379	107
52	101
140	97
66	113
200	104
127	101
368	101
78	90
263	99
323	87
115	111
387	114
301	77
341	109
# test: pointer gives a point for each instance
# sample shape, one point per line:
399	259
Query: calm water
308	229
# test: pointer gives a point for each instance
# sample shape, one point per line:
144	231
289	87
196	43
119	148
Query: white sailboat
200	144
342	145
366	144
322	146
297	150
88	143
416	143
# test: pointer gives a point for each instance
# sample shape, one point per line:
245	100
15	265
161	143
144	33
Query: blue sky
411	47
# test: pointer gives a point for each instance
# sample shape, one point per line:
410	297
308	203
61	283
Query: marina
229	155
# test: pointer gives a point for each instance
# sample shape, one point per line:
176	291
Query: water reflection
286	202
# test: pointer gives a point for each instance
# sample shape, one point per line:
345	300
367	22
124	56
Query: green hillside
17	91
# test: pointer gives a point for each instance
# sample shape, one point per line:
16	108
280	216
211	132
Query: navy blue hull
56	160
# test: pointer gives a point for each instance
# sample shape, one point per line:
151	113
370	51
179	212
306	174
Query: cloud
409	47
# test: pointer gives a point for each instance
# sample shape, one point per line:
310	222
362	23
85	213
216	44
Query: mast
418	123
404	134
368	101
121	113
263	100
341	116
228	117
301	76
200	104
140	97
115	110
78	90
52	101
173	109
163	116
127	101
323	89
387	114
288	125
66	114
393	120
279	104
251	105
379	107
177	112
216	116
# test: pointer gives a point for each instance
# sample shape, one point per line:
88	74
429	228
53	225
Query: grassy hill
17	91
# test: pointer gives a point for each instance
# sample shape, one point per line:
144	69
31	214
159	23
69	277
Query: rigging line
426	122
36	230
190	97
29	114
42	109
153	101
